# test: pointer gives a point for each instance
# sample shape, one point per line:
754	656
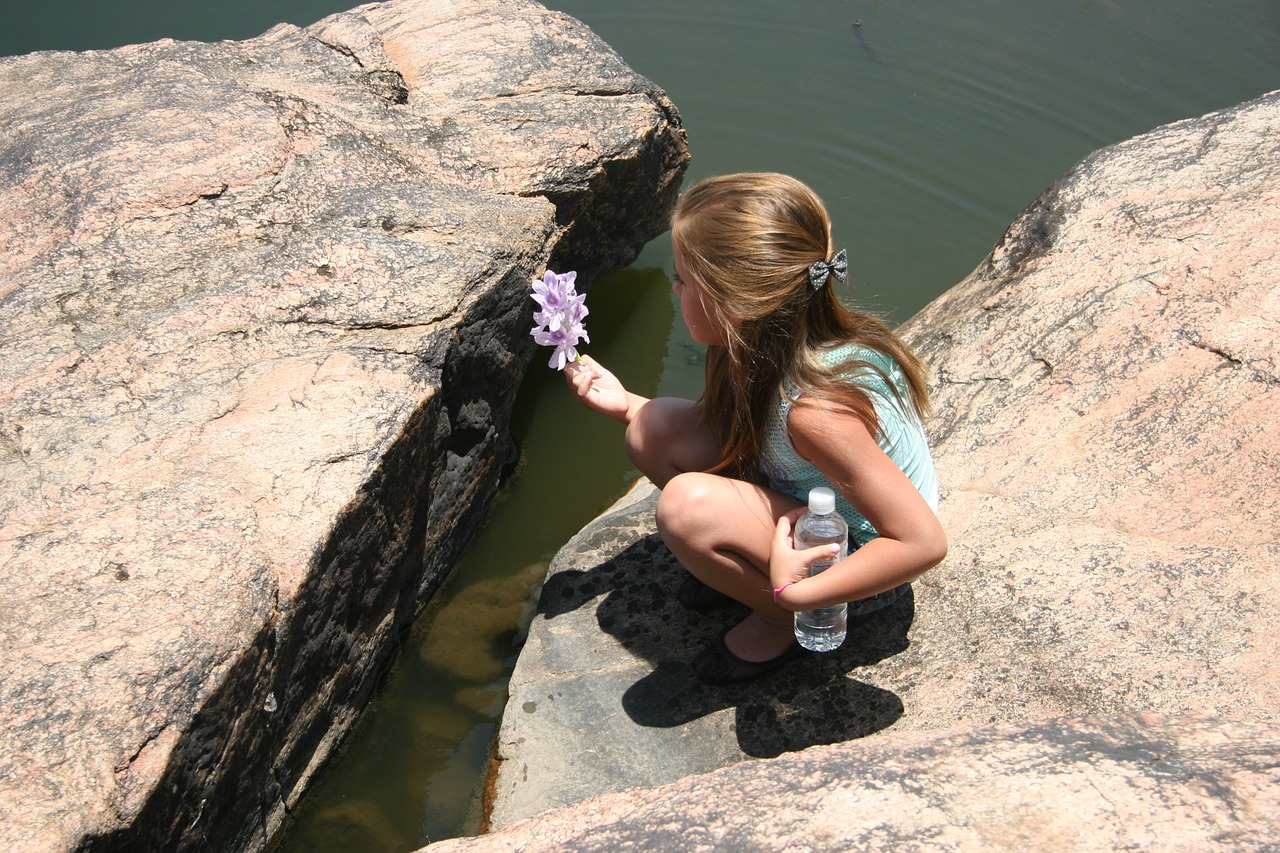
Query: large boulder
1106	432
262	305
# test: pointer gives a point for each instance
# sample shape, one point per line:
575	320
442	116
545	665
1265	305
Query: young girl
800	392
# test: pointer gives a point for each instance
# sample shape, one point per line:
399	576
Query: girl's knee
653	440
667	436
653	421
686	503
636	436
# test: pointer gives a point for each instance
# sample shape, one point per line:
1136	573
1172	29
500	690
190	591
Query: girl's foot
717	665
765	647
696	595
758	639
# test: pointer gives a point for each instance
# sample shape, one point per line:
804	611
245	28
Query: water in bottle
823	629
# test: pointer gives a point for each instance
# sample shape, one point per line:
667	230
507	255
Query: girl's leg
721	530
668	436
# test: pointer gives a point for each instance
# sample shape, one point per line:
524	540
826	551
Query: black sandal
717	665
696	595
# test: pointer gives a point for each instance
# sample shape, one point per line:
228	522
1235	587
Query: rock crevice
261	307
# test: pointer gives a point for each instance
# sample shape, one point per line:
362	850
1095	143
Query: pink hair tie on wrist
777	592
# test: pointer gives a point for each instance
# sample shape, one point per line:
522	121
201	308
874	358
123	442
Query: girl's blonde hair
747	241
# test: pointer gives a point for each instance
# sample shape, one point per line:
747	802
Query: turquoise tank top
901	437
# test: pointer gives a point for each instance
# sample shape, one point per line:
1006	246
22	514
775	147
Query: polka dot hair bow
820	271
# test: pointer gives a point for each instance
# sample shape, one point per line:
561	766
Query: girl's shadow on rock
810	701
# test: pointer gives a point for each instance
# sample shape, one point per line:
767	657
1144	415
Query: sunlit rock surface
1127	782
262	306
1108	418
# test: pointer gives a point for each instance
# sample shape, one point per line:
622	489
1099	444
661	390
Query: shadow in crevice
809	702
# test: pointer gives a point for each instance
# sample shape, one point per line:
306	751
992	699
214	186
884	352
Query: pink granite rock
1108	439
261	307
1139	782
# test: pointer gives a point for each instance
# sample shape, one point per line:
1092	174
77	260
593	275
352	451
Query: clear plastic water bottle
823	629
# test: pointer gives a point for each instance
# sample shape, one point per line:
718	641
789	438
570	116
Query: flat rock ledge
1092	667
262	308
1141	782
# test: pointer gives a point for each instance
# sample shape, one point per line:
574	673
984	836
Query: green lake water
927	128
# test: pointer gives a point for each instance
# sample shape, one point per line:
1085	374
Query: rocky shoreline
261	307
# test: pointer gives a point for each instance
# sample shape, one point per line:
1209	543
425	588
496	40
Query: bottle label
821	566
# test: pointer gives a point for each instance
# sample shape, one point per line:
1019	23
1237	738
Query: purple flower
552	291
560	318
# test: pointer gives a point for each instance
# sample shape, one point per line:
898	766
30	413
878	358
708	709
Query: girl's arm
600	391
911	539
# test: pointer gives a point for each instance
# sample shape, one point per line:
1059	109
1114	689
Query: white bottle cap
822	501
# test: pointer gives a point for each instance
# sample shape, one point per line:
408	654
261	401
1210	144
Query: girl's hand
598	389
786	564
